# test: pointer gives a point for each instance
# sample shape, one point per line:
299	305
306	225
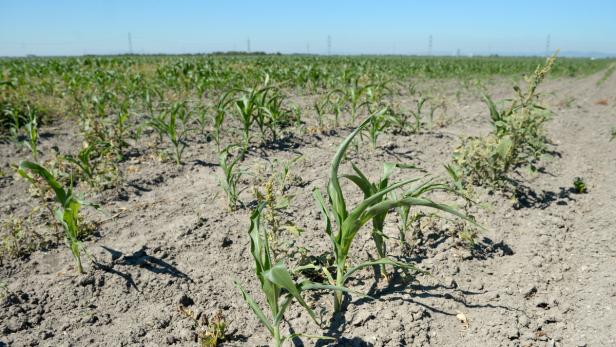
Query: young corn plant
83	160
32	134
348	222
231	175
355	94
378	123
277	283
418	115
249	110
175	124
369	189
220	111
67	212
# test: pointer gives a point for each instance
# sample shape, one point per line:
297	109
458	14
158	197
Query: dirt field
542	274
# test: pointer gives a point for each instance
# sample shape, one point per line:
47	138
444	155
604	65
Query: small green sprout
579	186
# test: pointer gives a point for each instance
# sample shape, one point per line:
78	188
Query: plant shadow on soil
141	259
526	197
398	284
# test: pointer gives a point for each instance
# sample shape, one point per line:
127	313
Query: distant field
231	200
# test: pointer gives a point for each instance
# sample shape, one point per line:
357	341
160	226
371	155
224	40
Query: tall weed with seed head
518	136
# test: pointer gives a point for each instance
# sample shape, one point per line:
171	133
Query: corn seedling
378	123
32	134
277	283
67	212
231	175
418	115
349	222
355	97
201	118
83	161
169	125
220	111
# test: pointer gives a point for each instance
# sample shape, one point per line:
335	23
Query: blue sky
72	27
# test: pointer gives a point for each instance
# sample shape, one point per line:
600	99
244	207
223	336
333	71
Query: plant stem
339	283
277	339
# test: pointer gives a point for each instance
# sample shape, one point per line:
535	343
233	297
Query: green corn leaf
255	308
280	276
382	261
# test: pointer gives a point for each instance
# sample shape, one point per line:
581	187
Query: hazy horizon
70	27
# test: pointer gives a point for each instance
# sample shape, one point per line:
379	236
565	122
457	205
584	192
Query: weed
579	186
518	136
210	332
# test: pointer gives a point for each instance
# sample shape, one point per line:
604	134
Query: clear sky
75	27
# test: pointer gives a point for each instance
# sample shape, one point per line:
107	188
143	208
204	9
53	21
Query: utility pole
430	45
248	45
329	45
547	46
130	44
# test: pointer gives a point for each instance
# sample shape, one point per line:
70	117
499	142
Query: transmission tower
329	45
430	45
248	45
130	44
547	46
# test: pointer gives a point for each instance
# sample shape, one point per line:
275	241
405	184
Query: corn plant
418	115
249	109
277	283
378	123
32	134
349	222
319	107
201	118
120	131
67	212
220	111
168	125
231	176
83	160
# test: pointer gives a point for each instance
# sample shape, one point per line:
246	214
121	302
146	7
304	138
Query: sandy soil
541	275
